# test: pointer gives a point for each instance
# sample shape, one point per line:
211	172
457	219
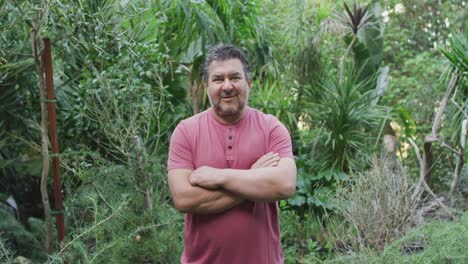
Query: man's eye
217	80
236	78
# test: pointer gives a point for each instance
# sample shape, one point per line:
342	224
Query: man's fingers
259	163
268	160
265	157
261	160
271	162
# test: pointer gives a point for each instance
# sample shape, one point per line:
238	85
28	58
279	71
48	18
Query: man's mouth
227	97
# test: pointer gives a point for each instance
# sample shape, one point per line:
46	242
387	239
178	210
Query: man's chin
228	112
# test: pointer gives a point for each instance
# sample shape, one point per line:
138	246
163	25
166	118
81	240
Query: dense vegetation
359	86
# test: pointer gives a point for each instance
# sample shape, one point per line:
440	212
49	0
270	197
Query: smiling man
227	168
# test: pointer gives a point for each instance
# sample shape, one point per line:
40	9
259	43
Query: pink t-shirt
249	232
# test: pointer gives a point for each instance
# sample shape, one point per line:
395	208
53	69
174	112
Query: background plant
379	204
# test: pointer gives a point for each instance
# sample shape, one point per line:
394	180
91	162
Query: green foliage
458	109
458	54
276	98
129	70
335	125
125	69
413	26
16	239
441	241
17	101
303	238
315	188
6	254
346	119
433	242
110	222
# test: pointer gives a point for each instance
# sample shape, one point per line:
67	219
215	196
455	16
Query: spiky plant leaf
358	18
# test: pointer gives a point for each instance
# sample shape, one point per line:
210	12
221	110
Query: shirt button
230	137
229	147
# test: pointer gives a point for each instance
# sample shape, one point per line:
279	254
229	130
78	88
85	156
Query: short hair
222	52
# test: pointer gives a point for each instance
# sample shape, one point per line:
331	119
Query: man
227	168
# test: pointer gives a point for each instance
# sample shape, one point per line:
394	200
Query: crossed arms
208	190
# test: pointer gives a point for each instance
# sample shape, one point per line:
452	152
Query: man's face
228	89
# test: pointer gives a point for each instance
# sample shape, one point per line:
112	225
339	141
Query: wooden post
49	80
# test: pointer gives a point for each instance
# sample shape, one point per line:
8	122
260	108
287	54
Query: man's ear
250	84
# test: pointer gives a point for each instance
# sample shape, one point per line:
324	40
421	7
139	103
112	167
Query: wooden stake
49	81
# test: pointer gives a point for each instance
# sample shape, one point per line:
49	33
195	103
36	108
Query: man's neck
230	120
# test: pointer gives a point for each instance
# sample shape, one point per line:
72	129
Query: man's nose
227	85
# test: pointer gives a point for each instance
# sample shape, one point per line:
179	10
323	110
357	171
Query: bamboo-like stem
35	42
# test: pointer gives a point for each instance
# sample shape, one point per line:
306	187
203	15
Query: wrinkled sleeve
280	140
180	153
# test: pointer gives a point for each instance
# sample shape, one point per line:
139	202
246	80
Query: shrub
378	205
109	221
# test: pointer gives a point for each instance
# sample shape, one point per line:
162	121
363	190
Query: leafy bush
315	188
303	238
109	221
16	239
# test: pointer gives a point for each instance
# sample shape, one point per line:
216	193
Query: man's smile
228	97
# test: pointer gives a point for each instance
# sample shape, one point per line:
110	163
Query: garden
374	95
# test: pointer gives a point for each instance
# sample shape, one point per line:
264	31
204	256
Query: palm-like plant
348	119
458	57
359	18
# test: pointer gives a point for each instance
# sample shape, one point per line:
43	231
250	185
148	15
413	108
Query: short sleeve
180	153
280	140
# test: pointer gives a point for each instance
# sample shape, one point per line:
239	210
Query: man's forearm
262	184
198	200
257	185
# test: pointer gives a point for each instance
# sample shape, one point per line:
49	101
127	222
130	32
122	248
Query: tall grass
378	206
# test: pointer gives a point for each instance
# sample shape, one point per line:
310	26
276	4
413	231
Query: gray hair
222	52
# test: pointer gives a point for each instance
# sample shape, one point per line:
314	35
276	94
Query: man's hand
268	160
205	177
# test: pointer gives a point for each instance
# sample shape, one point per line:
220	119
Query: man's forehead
229	66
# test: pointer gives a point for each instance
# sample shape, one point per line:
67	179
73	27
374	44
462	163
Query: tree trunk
460	162
389	151
434	136
427	160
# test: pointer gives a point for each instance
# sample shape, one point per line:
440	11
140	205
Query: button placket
229	144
